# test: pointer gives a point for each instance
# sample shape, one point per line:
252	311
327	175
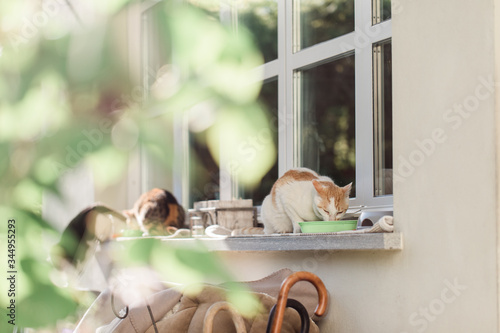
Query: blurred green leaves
44	305
213	61
67	97
221	69
186	266
224	61
243	136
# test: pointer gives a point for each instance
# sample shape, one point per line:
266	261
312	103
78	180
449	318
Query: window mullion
363	94
324	51
181	152
362	14
289	107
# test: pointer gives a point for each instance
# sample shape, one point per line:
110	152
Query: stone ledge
302	242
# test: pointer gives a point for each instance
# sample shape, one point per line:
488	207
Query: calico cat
302	195
156	212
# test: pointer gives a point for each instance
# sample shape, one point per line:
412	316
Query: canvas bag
179	312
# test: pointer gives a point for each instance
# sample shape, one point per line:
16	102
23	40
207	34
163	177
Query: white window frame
359	42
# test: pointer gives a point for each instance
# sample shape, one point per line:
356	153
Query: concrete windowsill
293	242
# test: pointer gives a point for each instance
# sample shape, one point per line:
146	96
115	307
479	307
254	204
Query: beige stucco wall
445	279
497	114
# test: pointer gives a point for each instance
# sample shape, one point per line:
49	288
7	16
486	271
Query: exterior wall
445	278
497	114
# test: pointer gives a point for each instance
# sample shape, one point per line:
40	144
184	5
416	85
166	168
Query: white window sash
360	43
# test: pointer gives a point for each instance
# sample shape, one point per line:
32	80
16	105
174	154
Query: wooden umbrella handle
208	321
283	296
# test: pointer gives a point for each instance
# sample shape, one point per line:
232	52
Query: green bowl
328	226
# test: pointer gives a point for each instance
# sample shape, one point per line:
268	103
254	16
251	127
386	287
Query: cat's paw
296	228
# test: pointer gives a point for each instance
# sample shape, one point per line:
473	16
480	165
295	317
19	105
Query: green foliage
67	98
187	266
251	153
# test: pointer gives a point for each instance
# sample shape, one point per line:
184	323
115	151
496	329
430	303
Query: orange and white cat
303	195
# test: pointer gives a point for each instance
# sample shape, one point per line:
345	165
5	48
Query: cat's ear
347	189
317	185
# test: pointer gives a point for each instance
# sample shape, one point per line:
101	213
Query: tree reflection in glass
327	130
317	21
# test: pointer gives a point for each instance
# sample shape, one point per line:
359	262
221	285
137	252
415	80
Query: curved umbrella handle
283	296
117	315
304	316
208	321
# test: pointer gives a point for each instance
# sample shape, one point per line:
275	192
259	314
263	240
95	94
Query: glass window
269	99
214	9
317	21
382	116
327	120
259	17
323	86
204	172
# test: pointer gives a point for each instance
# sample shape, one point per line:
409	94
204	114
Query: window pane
382	115
269	99
327	108
211	8
317	21
203	170
260	17
381	10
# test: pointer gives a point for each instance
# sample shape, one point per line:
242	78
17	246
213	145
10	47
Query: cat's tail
73	242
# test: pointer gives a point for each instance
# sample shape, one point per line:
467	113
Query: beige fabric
188	316
384	224
184	312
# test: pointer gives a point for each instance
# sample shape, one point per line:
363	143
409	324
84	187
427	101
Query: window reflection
269	99
317	21
327	129
203	170
259	17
